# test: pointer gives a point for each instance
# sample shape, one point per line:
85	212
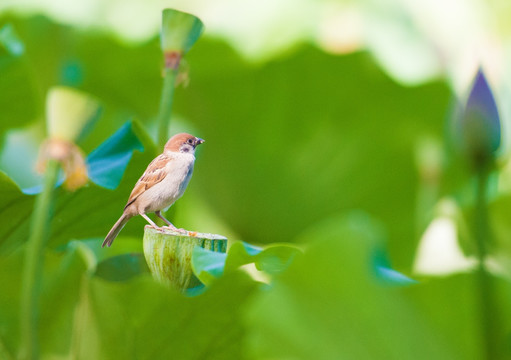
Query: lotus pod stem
179	31
169	254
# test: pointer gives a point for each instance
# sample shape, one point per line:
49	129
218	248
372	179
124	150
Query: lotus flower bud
479	124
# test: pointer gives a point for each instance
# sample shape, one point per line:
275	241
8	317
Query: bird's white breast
179	171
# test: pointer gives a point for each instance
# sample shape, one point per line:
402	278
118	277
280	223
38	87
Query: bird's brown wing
154	173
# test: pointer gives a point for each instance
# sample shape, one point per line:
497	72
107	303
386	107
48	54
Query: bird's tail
112	234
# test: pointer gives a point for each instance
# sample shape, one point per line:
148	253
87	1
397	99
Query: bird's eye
189	141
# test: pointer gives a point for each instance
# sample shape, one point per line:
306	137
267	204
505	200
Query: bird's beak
200	141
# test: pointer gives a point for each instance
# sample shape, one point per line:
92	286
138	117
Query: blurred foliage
293	147
315	298
338	144
301	133
209	265
18	103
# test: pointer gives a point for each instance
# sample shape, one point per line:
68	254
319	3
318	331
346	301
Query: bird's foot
173	228
157	228
169	227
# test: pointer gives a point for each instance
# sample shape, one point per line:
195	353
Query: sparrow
163	182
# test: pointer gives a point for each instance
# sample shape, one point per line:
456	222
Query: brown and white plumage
163	182
154	174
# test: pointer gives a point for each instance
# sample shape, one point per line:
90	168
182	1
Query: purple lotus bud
479	123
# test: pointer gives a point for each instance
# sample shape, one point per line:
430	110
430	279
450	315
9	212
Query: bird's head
183	142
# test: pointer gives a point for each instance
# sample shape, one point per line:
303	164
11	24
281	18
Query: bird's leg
170	225
150	221
158	213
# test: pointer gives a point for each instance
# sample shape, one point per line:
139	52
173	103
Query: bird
163	182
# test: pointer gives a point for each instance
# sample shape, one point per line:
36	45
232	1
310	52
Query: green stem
485	288
167	97
33	266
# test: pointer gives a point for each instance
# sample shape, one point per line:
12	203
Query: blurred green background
327	125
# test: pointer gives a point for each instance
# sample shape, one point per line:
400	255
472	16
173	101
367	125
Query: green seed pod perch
179	31
169	254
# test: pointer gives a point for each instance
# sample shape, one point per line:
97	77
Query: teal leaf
385	273
36	189
251	249
209	265
393	277
107	163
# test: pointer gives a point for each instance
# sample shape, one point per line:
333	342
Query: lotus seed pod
178	34
169	254
69	111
